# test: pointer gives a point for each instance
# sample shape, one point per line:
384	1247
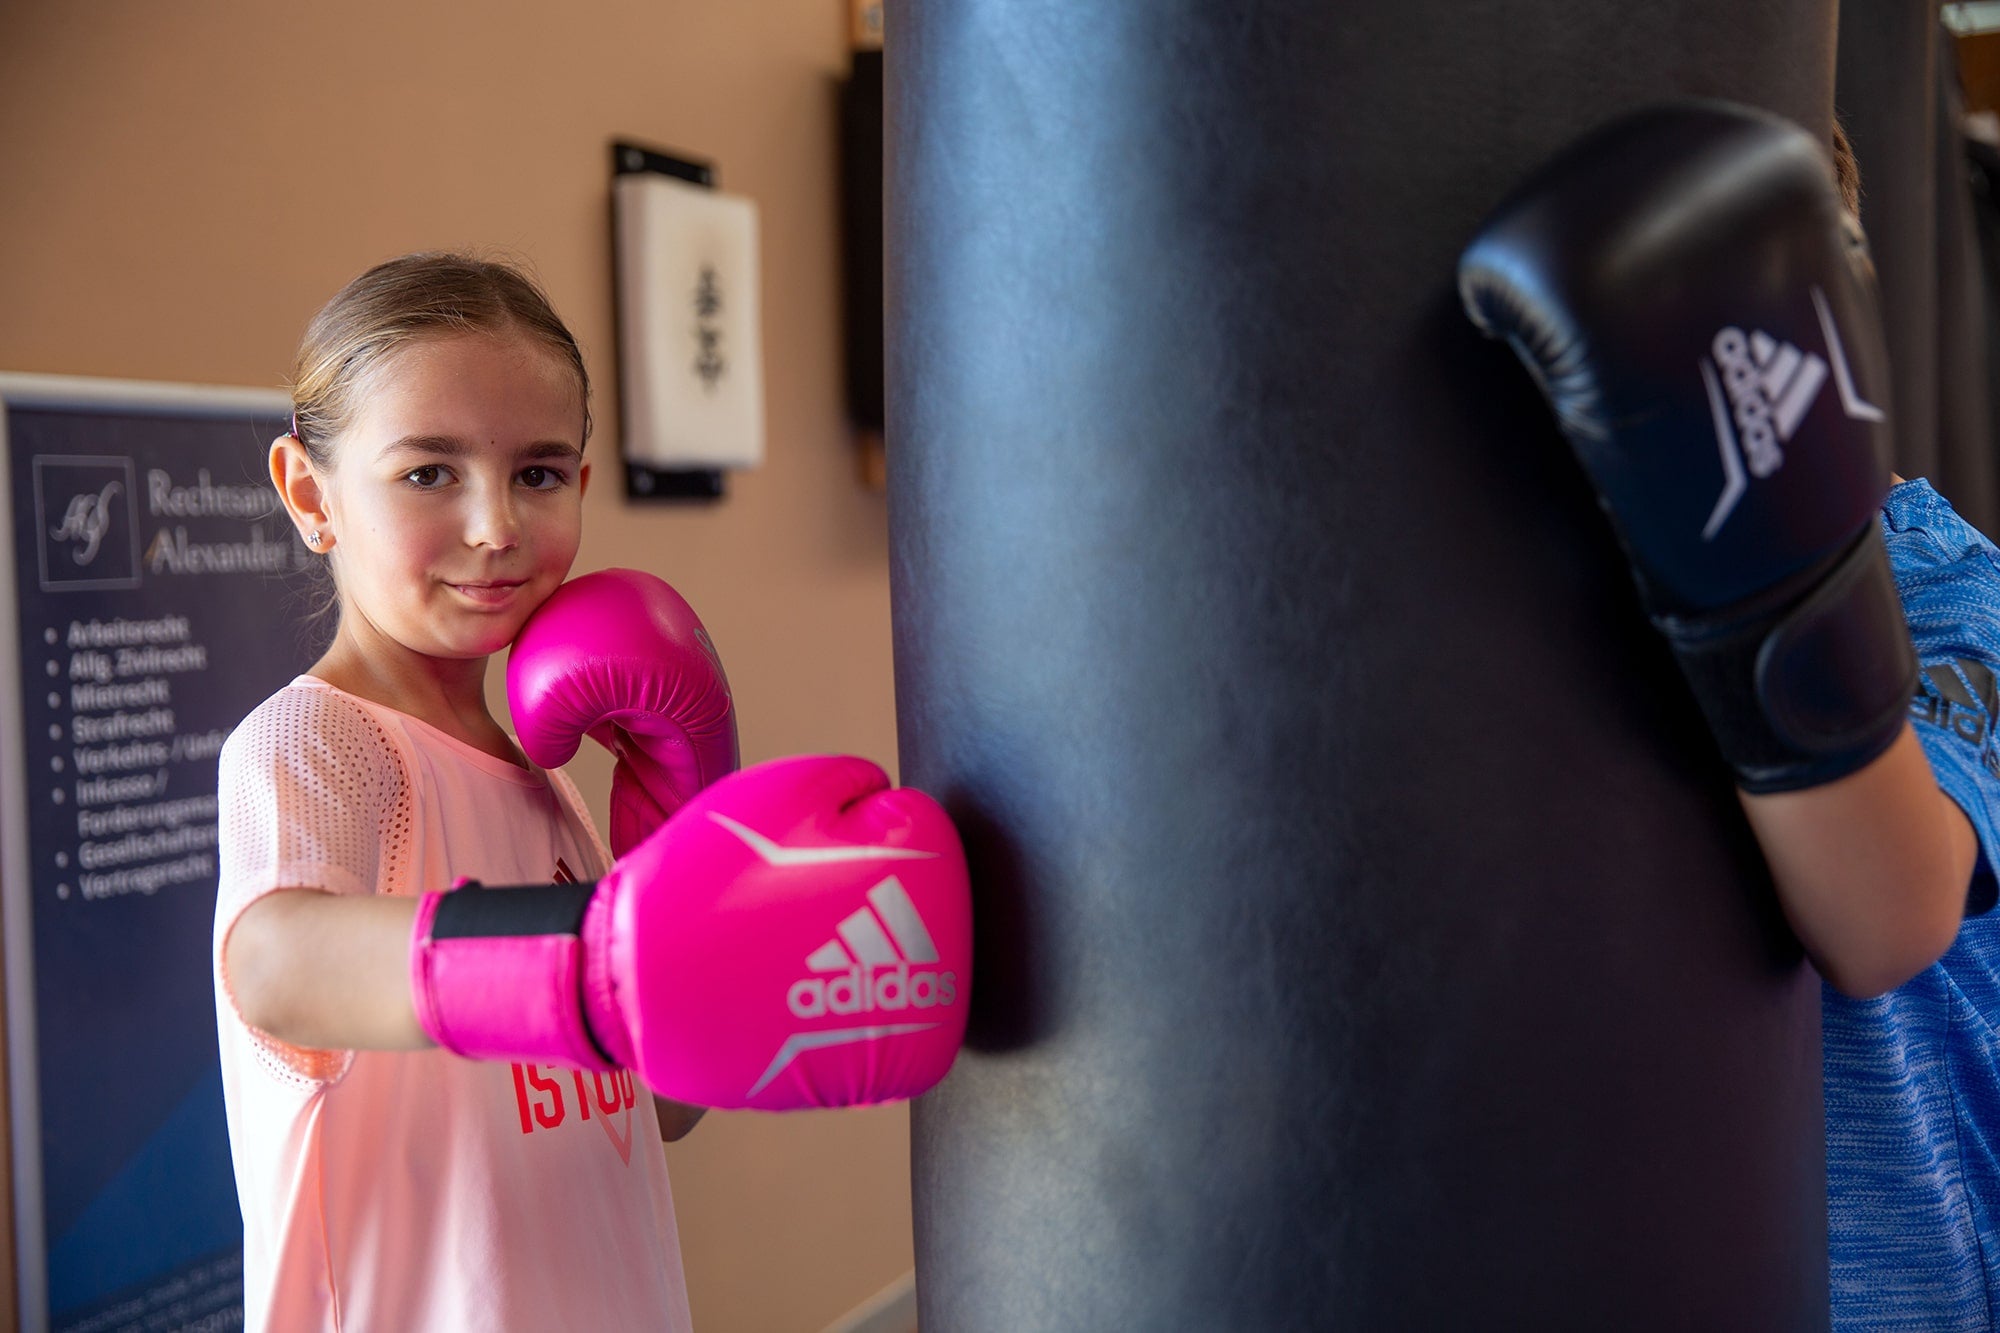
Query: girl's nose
494	521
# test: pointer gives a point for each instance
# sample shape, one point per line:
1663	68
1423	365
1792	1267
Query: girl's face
456	499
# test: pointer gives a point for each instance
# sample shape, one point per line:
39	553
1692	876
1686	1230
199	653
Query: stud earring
313	539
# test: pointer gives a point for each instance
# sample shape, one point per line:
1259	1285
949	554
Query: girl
436	463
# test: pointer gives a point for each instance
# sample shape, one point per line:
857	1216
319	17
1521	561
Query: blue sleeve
1955	705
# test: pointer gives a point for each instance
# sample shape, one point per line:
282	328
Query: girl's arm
676	1118
332	972
1872	869
326	971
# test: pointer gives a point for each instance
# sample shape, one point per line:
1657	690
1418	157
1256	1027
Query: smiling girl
436	464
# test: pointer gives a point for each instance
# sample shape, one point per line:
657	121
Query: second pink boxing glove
799	934
619	656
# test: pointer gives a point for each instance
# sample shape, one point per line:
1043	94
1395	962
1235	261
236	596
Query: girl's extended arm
326	971
333	973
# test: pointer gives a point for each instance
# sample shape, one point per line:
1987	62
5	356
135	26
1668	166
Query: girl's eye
541	478
425	477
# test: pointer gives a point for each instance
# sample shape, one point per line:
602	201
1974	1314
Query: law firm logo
87	523
1759	390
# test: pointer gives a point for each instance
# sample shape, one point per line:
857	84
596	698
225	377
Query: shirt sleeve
1953	717
1953	610
312	795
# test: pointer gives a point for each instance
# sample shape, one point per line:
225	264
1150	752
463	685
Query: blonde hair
425	295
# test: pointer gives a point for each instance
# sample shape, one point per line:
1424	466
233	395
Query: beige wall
182	183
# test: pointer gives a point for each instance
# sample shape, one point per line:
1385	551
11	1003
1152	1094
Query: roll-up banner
153	594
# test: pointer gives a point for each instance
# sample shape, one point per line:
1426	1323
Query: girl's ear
582	480
299	487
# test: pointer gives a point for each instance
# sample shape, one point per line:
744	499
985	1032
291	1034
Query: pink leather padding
600	990
776	888
504	997
620	656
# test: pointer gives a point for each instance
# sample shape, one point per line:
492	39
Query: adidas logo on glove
872	954
1770	386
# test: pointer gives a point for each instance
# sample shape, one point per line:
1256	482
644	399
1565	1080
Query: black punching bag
1367	935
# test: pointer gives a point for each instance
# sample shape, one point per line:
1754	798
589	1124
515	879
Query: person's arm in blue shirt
1872	869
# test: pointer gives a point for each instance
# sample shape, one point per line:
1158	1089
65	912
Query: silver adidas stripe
801	1042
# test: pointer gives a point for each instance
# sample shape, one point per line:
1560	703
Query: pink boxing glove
799	934
618	655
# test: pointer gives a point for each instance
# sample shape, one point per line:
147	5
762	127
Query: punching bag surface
1367	934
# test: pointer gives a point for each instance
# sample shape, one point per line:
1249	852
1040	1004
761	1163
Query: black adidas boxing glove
1683	289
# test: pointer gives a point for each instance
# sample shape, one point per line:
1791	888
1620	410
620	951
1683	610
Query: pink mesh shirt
420	1191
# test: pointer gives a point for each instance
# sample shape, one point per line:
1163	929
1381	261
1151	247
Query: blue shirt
1913	1077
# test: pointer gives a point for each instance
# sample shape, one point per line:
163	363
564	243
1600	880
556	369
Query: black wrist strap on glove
1809	681
473	910
541	931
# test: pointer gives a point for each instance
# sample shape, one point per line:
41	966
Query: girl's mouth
491	593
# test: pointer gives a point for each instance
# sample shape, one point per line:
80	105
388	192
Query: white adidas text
861	990
1769	387
1768	394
